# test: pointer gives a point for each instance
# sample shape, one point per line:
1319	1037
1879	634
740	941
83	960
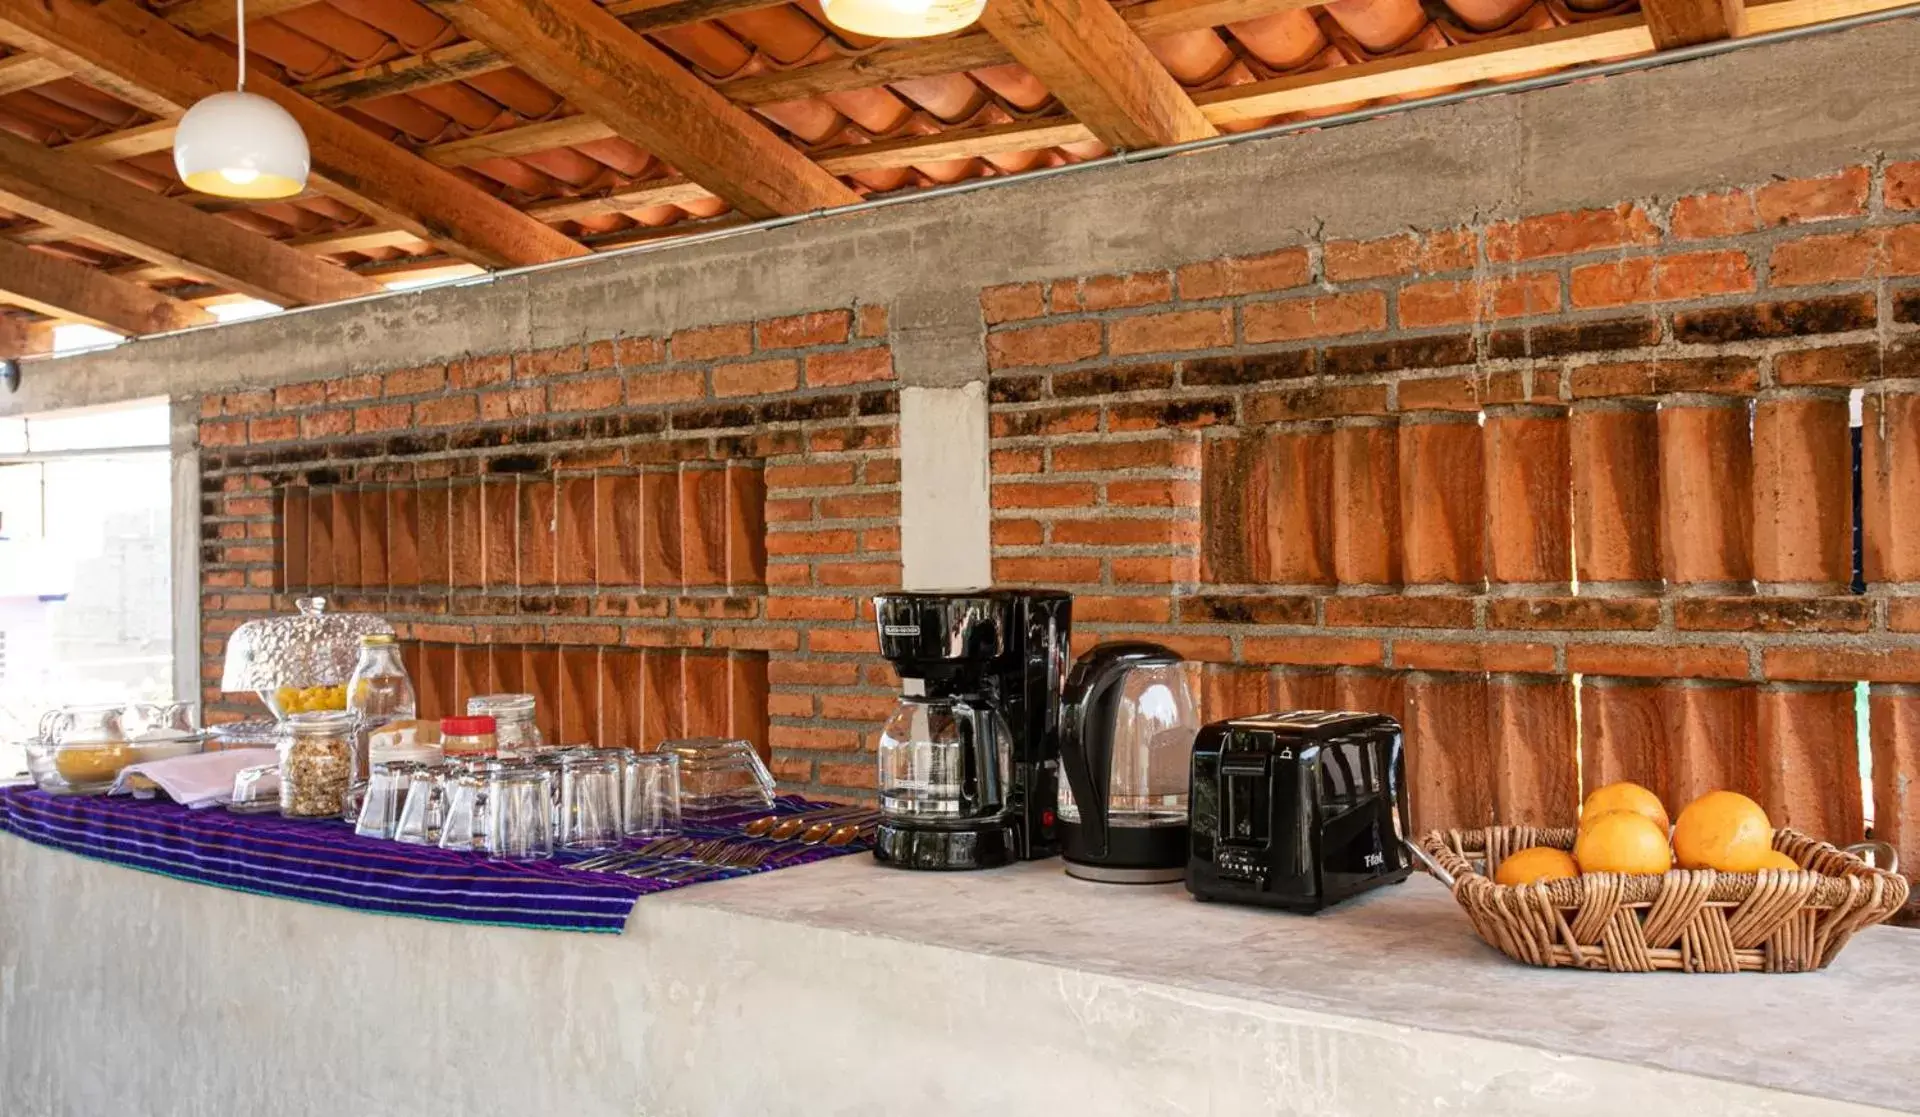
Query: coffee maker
969	760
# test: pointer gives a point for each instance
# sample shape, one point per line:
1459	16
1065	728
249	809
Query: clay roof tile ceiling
878	116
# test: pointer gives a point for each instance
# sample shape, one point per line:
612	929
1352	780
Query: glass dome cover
310	648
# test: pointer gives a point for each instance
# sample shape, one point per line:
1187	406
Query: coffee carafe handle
1086	727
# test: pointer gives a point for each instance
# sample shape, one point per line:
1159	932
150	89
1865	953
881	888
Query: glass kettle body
1128	721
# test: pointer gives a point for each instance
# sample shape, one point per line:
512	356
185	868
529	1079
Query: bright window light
76	335
243	310
140	424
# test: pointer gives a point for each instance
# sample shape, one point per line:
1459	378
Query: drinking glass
386	792
463	823
519	814
590	794
719	773
425	809
651	795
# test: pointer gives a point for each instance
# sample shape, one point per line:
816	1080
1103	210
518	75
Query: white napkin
201	780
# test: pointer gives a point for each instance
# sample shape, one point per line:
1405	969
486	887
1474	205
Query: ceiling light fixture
902	19
240	144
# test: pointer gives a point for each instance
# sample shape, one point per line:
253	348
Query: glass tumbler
519	814
386	793
463	822
590	793
424	811
651	795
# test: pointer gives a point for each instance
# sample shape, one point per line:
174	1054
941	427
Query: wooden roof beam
1684	23
583	53
21	338
63	289
464	60
1410	75
24	71
134	54
1088	57
65	191
203	17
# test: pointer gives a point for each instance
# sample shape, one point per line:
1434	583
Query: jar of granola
316	763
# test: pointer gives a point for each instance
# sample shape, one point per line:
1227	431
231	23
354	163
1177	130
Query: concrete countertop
846	988
1402	955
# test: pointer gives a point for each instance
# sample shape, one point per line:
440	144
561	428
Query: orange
1774	859
1535	864
1624	796
1622	842
1722	830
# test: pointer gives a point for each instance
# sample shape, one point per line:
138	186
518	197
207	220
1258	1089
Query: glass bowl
89	767
717	773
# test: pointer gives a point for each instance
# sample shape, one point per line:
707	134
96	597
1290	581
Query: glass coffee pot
943	759
1128	720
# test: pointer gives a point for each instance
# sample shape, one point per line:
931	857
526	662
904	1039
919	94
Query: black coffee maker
969	760
1298	810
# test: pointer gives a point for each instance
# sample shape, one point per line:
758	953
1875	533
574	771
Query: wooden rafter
1399	76
63	289
929	57
204	16
24	71
20	338
70	193
133	54
1099	69
580	51
1683	23
465	60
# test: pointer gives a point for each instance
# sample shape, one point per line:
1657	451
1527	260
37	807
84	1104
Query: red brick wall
1446	473
656	536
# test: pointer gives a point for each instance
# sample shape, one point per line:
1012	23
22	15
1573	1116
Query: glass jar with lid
469	738
516	735
316	763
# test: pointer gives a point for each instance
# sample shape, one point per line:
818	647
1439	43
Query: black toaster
1297	810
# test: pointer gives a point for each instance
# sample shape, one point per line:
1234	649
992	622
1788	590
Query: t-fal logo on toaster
900	629
1376	860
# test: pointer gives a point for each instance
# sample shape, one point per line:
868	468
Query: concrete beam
1779	109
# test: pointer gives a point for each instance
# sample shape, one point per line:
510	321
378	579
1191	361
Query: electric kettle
1127	726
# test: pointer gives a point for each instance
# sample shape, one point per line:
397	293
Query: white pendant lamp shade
241	145
902	19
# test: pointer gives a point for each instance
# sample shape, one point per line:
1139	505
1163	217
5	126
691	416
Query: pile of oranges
1624	829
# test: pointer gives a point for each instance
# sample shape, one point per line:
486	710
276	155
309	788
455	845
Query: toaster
1297	810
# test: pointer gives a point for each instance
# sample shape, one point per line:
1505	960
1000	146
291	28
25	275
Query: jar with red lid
468	738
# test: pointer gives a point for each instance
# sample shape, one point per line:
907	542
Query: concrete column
939	354
183	439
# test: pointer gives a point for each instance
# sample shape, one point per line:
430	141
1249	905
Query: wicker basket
1689	920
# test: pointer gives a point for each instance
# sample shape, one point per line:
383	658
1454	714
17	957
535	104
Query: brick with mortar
1813	199
1565	234
1245	275
1113	292
1708	216
1170	332
1052	344
1316	316
1347	260
799	331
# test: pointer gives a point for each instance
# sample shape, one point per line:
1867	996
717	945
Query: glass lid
310	648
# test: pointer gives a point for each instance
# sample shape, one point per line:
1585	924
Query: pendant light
902	19
240	144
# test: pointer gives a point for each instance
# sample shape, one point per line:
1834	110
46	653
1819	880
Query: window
86	608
